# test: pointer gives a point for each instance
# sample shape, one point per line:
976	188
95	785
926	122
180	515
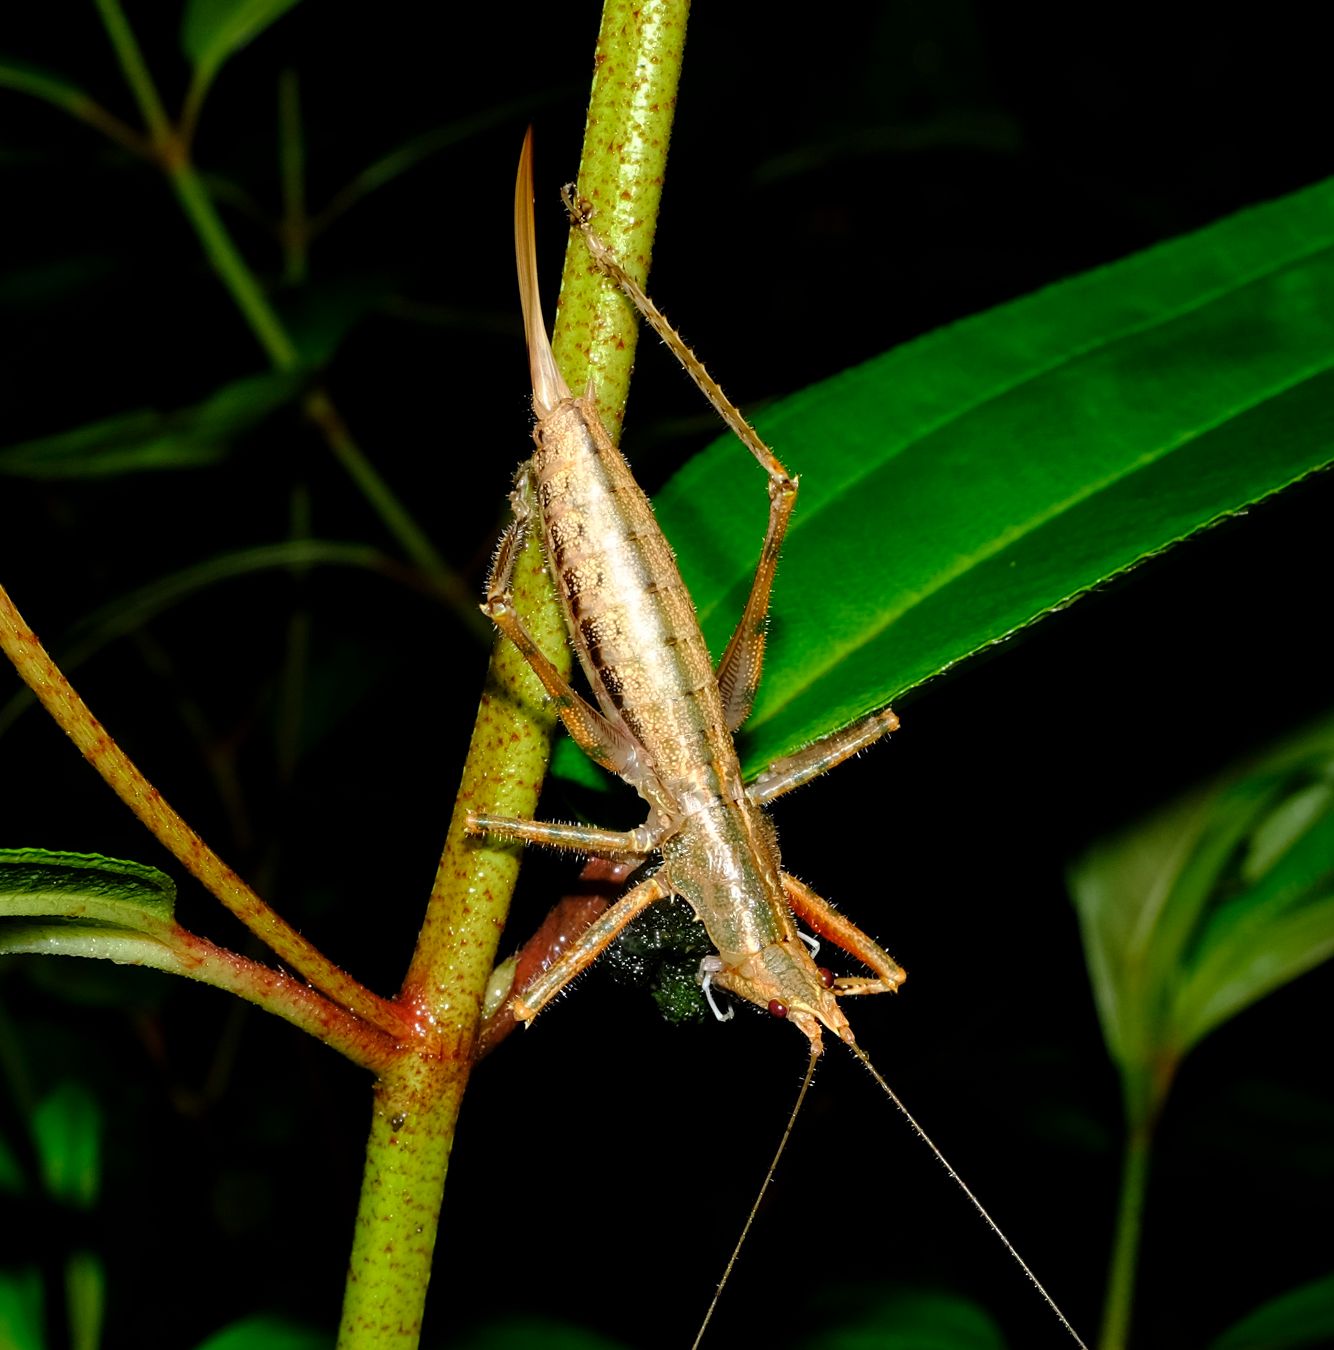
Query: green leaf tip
1301	1317
214	30
67	1126
1212	902
265	1331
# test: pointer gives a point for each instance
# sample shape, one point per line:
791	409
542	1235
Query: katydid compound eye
777	1007
826	976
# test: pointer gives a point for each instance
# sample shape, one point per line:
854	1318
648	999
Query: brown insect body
665	719
665	716
642	649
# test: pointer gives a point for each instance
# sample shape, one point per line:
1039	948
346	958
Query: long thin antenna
963	1186
755	1208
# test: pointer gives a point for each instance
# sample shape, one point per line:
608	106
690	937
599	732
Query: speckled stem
637	66
630	111
122	775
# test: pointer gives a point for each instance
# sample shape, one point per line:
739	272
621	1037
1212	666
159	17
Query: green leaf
40	286
265	1332
319	317
12	1181
1303	1316
67	1129
1214	901
962	486
21	1309
907	1319
107	904
520	1333
212	31
135	442
576	770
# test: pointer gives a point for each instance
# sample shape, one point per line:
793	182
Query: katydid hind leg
606	261
740	669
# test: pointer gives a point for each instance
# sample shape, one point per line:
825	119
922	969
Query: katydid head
783	979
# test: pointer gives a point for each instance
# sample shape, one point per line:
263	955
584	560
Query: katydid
664	717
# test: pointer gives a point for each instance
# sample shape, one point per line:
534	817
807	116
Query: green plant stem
1125	1245
319	407
621	173
417	1104
171	147
76	103
135	69
245	290
232	268
406	1163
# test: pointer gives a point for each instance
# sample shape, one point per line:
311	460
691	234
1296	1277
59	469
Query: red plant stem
72	715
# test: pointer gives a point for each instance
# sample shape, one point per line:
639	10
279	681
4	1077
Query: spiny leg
796	770
739	670
596	938
821	916
694	367
577	838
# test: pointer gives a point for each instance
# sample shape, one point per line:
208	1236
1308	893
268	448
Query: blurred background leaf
213	31
21	1310
517	1333
134	442
67	1126
907	1319
266	1333
1301	1317
1189	917
1213	902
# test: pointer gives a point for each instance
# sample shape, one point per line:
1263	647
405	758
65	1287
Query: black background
841	180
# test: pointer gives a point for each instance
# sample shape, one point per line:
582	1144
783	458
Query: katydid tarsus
664	717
